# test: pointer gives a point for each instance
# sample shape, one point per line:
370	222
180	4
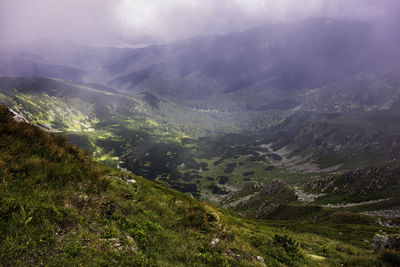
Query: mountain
194	151
201	152
352	140
379	181
291	127
57	59
58	207
28	65
244	70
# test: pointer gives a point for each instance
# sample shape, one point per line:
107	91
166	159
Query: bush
290	250
289	244
195	217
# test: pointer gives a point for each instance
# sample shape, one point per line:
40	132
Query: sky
167	20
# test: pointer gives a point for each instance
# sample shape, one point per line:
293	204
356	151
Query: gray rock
214	242
261	260
386	241
17	117
232	254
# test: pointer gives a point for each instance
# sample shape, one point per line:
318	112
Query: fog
154	21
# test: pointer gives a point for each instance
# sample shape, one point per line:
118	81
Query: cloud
92	20
75	19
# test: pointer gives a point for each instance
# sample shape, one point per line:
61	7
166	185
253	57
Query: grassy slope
60	208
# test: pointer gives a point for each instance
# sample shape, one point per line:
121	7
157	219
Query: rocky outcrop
386	242
17	117
260	199
275	191
359	181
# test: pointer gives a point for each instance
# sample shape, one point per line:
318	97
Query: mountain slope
18	65
60	208
176	144
370	183
188	148
223	71
353	139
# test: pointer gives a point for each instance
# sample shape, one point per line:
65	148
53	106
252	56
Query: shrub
195	217
290	250
289	244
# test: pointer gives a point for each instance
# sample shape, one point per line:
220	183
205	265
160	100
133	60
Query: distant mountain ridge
270	58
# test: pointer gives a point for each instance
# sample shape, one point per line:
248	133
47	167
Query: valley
249	138
58	207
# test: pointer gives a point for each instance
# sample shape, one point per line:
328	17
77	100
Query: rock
130	239
386	241
261	260
232	254
357	182
17	117
275	189
214	242
129	181
131	244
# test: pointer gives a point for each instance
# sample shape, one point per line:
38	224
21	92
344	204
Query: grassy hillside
60	208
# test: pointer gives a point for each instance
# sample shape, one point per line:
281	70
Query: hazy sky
166	20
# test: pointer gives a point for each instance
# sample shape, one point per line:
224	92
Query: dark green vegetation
60	208
200	152
209	154
149	137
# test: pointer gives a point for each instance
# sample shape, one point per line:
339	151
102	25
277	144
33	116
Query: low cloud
167	20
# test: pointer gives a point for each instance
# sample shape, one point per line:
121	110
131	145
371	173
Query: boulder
386	242
261	260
